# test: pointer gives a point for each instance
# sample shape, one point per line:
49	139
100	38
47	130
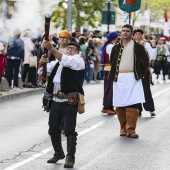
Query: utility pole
4	12
69	15
108	16
149	11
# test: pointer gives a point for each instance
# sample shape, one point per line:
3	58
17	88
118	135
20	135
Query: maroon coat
2	64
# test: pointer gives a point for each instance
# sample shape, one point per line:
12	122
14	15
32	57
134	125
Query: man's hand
6	45
47	45
43	60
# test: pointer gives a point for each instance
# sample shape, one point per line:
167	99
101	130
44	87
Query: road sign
108	14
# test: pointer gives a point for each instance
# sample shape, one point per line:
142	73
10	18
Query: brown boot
131	117
59	153
121	114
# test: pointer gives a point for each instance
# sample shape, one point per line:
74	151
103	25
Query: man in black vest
65	82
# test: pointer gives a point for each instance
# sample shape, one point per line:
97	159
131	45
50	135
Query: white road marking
90	129
163	112
45	151
29	159
161	92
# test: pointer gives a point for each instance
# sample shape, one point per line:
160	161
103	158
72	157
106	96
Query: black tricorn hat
137	30
74	43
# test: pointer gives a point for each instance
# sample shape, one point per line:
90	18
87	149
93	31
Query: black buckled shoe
69	163
55	159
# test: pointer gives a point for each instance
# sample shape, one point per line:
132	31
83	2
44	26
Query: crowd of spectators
22	46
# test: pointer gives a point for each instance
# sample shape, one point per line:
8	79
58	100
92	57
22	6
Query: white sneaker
16	88
167	81
156	81
160	81
92	82
10	88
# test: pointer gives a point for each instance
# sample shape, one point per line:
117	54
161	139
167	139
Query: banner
143	18
129	5
121	18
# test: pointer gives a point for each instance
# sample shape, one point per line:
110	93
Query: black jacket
141	61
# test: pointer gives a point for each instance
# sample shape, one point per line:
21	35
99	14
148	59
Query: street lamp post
69	15
4	12
108	16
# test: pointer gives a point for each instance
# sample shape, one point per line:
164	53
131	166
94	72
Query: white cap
162	38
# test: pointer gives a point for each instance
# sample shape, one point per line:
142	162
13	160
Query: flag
132	2
129	5
166	28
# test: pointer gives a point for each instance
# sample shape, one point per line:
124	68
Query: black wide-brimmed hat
74	43
137	30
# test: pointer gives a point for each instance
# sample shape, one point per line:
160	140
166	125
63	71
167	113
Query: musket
45	54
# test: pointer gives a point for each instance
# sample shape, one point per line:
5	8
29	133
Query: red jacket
3	63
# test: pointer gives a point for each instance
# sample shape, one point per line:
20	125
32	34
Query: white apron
127	90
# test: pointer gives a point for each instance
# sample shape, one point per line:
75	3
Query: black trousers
62	112
168	65
108	92
12	71
149	104
161	65
31	71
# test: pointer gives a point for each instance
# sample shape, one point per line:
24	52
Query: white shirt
73	62
1	47
109	49
151	51
127	58
168	45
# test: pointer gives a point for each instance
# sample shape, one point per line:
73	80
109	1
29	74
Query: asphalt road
25	144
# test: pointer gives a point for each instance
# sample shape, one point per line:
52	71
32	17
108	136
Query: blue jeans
89	74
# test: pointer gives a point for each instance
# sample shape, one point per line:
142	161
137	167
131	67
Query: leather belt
13	58
61	95
126	71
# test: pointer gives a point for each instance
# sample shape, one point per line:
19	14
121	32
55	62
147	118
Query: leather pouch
47	100
72	98
81	103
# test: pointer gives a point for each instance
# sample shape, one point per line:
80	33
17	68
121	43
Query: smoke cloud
28	14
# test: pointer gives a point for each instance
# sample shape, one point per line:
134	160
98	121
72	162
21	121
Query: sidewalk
13	94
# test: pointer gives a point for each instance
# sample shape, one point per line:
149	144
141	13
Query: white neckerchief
57	79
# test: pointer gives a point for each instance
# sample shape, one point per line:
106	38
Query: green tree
89	11
83	11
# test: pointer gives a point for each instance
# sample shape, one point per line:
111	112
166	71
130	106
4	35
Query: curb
19	94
